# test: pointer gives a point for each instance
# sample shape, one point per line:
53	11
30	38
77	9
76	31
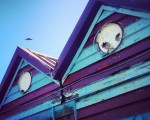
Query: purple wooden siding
128	104
114	60
48	89
16	107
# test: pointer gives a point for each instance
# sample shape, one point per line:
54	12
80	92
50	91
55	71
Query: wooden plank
104	68
114	91
127	41
45	110
131	99
48	89
29	105
45	114
136	26
127	20
88	52
42	82
34	110
127	11
121	100
120	112
99	76
113	80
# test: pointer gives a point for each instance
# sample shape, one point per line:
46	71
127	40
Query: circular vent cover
109	37
24	81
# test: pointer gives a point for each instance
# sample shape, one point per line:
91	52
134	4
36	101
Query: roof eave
9	74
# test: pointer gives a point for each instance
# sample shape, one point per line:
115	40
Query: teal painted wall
38	81
123	82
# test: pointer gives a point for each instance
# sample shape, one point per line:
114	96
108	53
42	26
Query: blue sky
48	22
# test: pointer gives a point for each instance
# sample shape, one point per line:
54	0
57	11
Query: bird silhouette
28	39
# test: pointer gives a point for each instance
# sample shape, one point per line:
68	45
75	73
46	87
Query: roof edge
76	38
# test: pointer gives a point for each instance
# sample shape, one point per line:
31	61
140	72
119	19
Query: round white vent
24	81
109	37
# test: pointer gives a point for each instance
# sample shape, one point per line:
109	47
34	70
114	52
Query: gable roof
40	61
83	26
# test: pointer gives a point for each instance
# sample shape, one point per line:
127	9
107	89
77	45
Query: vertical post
53	113
75	110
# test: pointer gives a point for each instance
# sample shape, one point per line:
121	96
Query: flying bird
28	39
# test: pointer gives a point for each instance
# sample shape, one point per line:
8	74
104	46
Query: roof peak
36	52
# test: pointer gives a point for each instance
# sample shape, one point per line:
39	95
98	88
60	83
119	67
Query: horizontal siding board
80	80
34	110
84	61
41	81
126	100
127	11
127	20
48	89
136	37
45	114
130	99
91	50
120	112
123	76
40	110
35	102
110	60
136	26
114	91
